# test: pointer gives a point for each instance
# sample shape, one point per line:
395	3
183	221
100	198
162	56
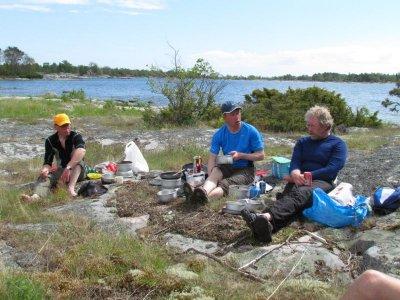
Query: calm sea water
356	95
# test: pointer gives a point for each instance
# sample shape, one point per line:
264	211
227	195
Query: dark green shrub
273	110
392	104
191	95
109	105
67	96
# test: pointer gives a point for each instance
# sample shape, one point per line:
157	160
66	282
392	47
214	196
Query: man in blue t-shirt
323	155
240	140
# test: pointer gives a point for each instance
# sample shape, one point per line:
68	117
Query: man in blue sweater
320	153
239	139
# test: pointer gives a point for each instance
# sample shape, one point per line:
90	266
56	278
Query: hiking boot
200	195
262	229
249	217
188	191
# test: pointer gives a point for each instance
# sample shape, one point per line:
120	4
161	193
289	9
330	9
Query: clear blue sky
236	36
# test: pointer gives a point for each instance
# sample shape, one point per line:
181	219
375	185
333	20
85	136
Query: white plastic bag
343	194
133	154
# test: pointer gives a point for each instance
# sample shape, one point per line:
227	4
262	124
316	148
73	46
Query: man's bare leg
212	181
373	285
75	172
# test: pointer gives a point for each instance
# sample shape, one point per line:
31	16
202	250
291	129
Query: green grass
372	139
174	157
19	286
29	110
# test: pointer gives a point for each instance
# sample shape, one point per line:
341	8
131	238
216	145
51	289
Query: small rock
180	270
135	273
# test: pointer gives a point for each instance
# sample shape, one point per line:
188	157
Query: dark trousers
293	200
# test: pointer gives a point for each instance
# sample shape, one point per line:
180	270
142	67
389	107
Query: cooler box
280	166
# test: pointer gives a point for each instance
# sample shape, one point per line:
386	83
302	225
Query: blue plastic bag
386	200
329	212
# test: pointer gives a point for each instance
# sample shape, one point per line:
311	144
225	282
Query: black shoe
249	217
188	191
200	195
262	229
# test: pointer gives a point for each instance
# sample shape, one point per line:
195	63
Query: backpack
386	200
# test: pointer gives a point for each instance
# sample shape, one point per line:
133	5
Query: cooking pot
171	175
171	183
252	204
239	191
195	179
124	166
235	205
189	168
166	195
126	174
224	160
108	178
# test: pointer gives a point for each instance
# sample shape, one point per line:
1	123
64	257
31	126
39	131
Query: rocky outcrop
338	254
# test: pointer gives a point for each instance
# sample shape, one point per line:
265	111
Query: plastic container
280	166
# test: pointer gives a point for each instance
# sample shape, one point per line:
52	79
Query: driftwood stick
149	293
162	230
316	237
44	245
264	254
290	273
221	262
252	262
229	247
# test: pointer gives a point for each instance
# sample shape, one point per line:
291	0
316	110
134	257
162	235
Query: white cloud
135	4
67	2
130	7
357	58
25	7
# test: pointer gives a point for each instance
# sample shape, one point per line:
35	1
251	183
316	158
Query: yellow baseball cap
61	119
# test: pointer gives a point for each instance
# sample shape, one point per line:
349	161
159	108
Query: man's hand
65	176
297	178
235	155
44	172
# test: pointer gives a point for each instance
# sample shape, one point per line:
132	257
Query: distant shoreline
66	76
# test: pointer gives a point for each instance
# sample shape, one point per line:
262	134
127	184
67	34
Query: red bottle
308	178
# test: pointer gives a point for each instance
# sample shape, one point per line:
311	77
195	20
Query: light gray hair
322	114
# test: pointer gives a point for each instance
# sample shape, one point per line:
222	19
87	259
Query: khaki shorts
243	176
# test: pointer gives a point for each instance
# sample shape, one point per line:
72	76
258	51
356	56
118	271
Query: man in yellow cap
68	148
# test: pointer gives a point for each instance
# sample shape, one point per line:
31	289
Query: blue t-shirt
323	158
247	140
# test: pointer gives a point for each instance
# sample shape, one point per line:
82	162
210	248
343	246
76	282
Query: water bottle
263	186
254	191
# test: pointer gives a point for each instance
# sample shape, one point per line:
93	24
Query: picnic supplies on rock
195	179
280	166
327	211
93	176
108	178
133	154
386	200
167	195
343	194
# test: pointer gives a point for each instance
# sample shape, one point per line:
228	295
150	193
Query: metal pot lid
171	175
